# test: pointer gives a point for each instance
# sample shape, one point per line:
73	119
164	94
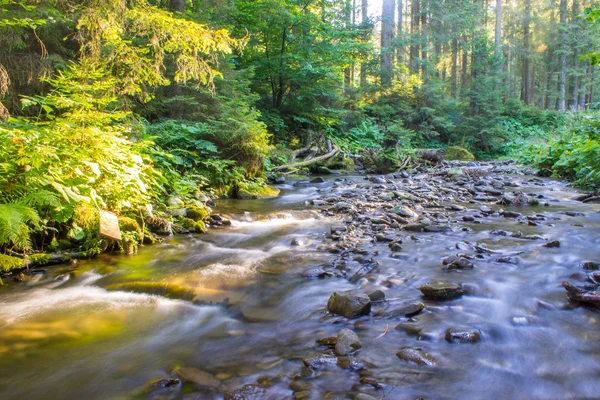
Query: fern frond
14	224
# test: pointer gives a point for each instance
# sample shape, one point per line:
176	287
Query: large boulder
458	153
349	304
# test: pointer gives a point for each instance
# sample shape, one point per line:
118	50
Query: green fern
14	225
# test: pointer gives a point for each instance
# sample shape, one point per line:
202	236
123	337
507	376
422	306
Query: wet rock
377	296
349	304
508	260
454	262
197	376
316	273
317	361
328	341
347	342
486	210
405	212
299	386
441	290
458	336
246	392
552	244
510	214
586	295
165	383
378	179
318	179
417	356
363	396
591	265
406	310
395	246
437	228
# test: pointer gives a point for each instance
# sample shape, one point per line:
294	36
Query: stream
63	335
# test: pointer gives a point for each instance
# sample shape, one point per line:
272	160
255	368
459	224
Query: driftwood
434	155
311	161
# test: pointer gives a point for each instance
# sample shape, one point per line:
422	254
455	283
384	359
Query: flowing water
64	336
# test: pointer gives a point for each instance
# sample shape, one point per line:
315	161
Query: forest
116	105
303	126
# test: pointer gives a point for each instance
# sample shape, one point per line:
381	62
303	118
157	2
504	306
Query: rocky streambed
460	280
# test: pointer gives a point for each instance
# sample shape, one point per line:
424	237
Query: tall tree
563	56
387	37
365	20
498	38
525	85
399	35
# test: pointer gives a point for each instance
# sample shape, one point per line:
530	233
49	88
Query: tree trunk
575	19
454	68
348	20
562	79
399	35
424	39
177	5
498	28
414	30
525	85
387	37
365	20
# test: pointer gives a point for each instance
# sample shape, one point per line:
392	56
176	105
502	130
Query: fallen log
305	163
434	155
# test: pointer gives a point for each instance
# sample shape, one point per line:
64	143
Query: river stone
417	356
554	243
406	213
246	392
197	376
363	396
591	265
377	296
406	310
440	290
347	342
457	336
318	179
165	383
349	304
316	361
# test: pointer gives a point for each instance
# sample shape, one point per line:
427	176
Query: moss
64	244
39	258
8	263
265	192
127	224
193	226
197	213
458	153
168	290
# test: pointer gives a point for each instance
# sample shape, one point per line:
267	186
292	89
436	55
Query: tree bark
525	85
562	79
365	19
387	37
414	30
305	163
498	28
399	35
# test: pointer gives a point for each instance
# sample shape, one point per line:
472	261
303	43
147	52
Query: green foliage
573	153
8	263
15	220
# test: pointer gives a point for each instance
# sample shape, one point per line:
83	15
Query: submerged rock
165	383
349	304
440	290
347	342
457	336
406	310
417	356
193	375
317	361
246	392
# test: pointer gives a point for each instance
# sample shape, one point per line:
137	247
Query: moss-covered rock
39	259
8	263
193	226
127	224
196	213
459	154
265	192
168	290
